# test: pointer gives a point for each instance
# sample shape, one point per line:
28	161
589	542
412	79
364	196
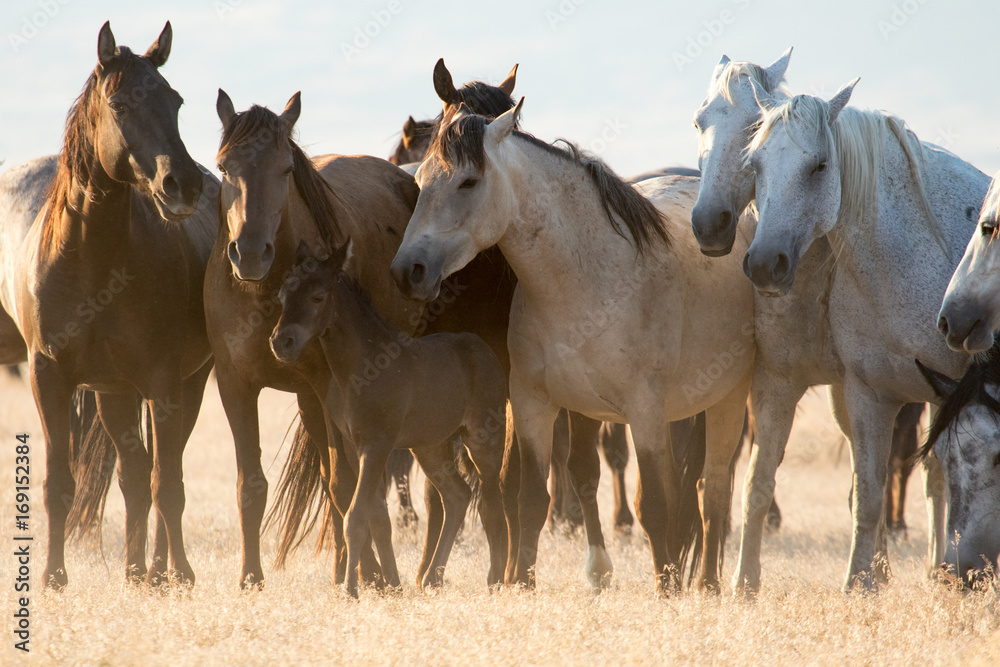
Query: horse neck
560	238
357	337
92	223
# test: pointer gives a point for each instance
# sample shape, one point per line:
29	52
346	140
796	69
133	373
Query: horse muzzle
714	228
418	278
286	344
771	272
964	328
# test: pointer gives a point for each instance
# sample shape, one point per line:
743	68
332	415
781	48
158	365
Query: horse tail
467	469
301	498
92	460
688	530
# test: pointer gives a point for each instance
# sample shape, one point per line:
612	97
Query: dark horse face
137	140
256	160
308	301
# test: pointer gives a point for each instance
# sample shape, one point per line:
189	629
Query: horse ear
342	256
718	68
409	127
302	253
224	107
942	385
764	99
507	85
840	100
775	73
499	129
107	50
292	111
443	85
159	51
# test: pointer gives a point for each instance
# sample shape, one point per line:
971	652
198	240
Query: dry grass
801	616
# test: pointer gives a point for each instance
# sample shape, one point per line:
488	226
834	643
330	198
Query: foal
389	391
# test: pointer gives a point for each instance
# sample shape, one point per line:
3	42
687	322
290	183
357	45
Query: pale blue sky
588	67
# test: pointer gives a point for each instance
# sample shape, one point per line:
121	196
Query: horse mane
461	141
477	97
857	139
729	77
78	155
260	124
972	388
991	203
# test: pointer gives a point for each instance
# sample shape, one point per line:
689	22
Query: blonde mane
857	139
729	78
991	204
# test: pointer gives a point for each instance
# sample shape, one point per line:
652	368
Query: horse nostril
234	252
417	273
746	264
781	266
725	218
943	325
170	186
268	255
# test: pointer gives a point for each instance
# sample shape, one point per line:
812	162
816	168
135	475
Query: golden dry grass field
801	617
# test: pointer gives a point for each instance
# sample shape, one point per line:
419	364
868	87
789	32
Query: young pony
432	389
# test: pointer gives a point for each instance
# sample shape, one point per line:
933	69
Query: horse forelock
991	203
857	138
729	78
256	124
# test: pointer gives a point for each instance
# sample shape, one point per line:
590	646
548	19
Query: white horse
795	347
617	315
966	438
970	312
896	212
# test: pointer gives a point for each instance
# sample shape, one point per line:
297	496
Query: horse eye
996	460
468	184
222	170
697	126
117	107
819	168
989	228
288	171
318	297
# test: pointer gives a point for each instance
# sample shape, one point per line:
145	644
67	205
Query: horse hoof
599	568
56	580
135	575
252	582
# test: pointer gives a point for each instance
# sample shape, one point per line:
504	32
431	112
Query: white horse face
969	451
798	186
970	312
724	123
463	208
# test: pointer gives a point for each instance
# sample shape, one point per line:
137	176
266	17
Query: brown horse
272	198
105	289
413	142
435	388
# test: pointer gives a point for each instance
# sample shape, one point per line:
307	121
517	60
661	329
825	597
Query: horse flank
260	124
857	138
461	141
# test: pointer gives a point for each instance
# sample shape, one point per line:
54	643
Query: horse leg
657	494
614	444
438	463
435	520
773	400
239	399
121	417
585	473
53	395
371	470
533	420
724	430
872	418
510	487
167	411
564	506
487	457
399	466
936	492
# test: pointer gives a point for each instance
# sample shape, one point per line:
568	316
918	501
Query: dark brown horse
105	289
272	198
433	389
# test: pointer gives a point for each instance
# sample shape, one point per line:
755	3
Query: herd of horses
501	307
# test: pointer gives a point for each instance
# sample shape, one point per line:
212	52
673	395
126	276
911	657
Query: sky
622	79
